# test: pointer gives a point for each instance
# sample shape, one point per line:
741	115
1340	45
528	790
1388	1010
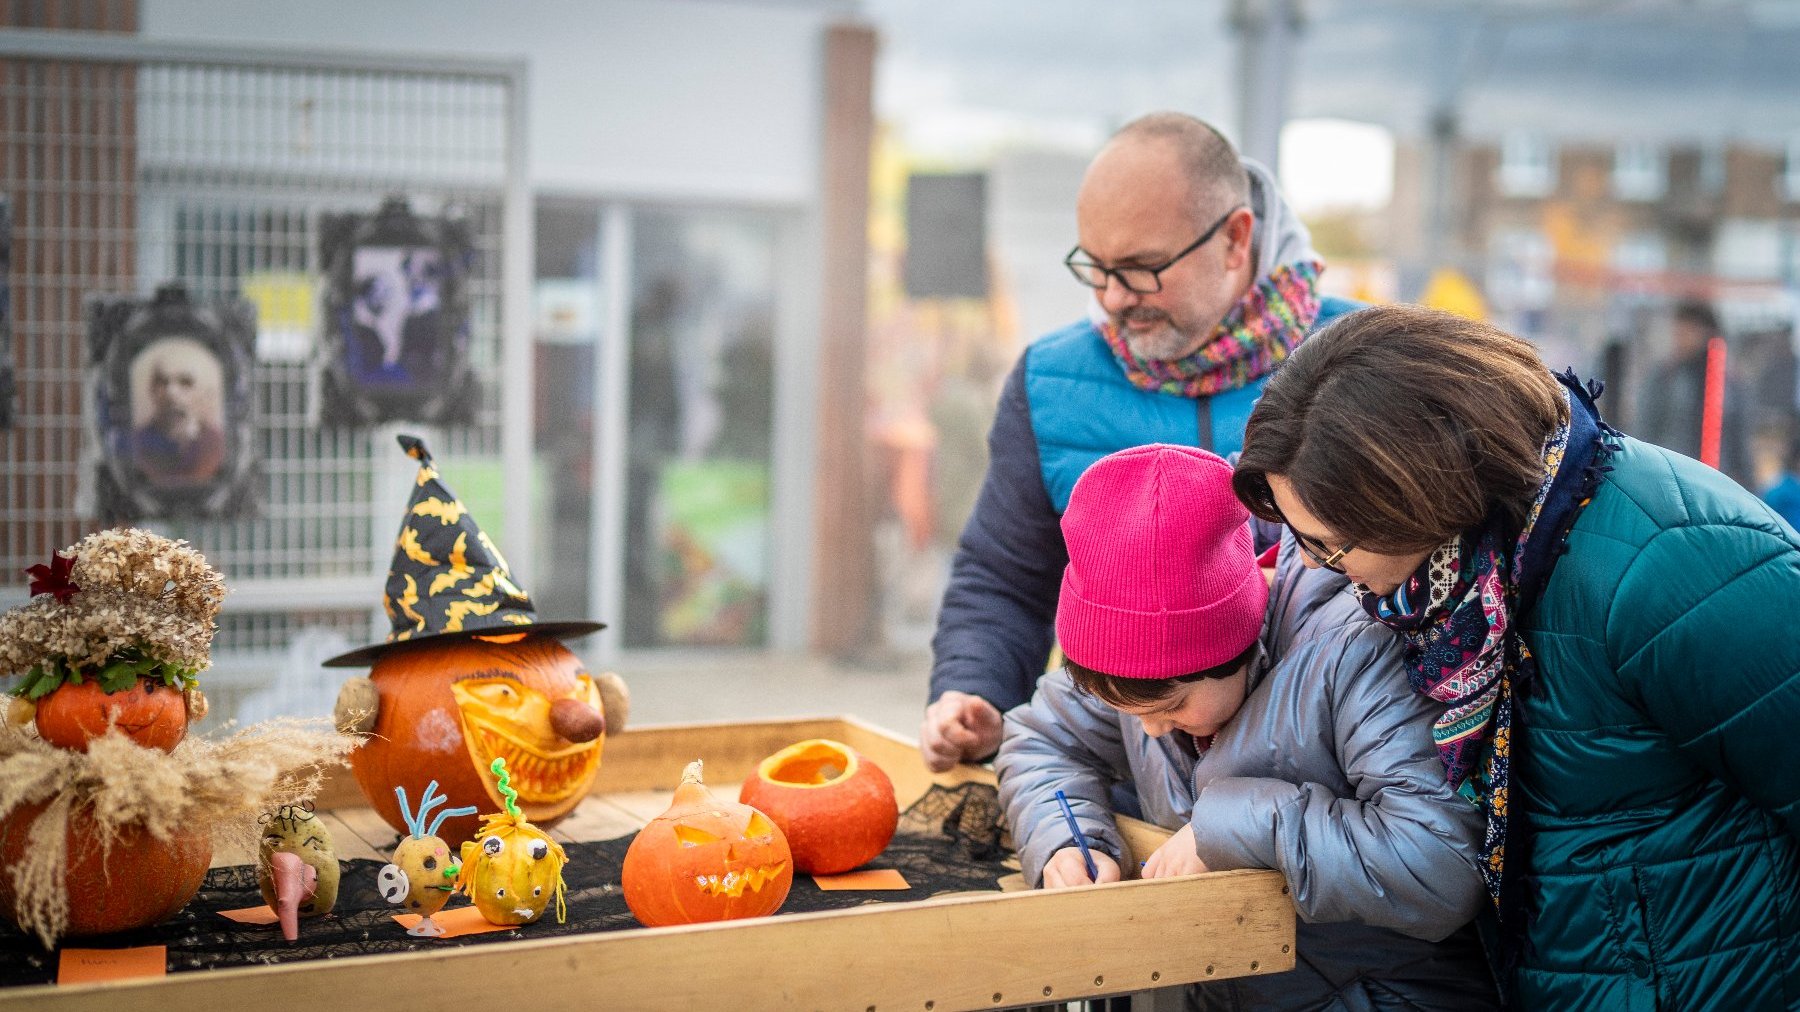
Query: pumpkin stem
692	790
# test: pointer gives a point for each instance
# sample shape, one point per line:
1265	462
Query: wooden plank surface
358	832
596	819
962	952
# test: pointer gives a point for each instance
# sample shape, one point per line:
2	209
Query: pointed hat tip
414	447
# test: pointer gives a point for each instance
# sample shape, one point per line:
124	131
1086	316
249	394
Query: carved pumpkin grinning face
706	860
448	709
505	715
724	858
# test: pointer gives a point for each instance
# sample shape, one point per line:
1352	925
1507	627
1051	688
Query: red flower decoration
54	578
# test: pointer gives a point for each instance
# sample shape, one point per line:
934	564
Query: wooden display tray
968	951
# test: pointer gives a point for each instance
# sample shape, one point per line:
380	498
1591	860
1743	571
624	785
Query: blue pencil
1080	840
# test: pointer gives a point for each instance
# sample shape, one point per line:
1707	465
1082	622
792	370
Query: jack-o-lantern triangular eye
759	828
691	837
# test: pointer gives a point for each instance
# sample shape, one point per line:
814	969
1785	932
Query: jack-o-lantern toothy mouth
539	778
504	719
733	883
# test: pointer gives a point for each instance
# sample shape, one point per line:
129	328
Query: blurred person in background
1784	496
1203	281
1672	404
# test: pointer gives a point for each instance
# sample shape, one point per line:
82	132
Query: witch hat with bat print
448	580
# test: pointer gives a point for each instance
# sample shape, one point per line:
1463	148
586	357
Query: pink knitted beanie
1162	578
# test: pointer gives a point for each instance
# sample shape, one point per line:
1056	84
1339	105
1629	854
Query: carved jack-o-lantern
706	860
445	709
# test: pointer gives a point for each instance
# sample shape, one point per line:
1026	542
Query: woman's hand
1175	857
1066	868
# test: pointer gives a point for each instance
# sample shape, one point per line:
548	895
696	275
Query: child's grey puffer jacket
1328	774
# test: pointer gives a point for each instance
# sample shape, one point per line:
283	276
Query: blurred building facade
1586	247
669	205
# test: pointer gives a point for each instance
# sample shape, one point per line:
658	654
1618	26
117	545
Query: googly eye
493	845
538	849
391	882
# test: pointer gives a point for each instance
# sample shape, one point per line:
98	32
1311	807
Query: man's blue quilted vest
1083	407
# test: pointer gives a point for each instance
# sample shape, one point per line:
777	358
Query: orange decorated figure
110	809
469	674
705	859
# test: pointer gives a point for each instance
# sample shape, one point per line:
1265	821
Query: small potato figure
297	867
422	875
512	869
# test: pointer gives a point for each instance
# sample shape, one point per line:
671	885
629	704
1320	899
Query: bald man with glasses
1202	281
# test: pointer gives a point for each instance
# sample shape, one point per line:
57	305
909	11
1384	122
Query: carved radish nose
576	721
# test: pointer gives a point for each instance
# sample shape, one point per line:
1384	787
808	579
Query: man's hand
1175	857
958	726
1066	868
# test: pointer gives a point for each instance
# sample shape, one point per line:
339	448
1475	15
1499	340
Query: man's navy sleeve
998	618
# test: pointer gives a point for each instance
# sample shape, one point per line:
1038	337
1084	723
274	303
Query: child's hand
1066	868
1175	857
957	727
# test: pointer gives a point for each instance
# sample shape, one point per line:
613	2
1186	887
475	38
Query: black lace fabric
947	842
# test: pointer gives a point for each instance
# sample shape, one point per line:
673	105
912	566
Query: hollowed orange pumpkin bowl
835	806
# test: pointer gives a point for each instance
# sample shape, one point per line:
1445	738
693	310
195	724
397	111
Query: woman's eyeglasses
1315	551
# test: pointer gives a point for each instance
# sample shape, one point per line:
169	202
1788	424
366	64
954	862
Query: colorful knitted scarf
1255	337
1457	616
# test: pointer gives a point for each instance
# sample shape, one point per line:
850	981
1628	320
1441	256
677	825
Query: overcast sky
958	75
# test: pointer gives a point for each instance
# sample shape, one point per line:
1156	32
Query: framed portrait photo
169	381
396	318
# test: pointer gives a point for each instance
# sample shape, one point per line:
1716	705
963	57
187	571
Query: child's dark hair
1114	690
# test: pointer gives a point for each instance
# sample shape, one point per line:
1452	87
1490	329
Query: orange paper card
871	879
91	966
461	921
251	915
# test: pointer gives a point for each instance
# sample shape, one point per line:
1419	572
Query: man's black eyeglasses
1142	280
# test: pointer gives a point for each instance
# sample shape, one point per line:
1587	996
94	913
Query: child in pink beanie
1269	725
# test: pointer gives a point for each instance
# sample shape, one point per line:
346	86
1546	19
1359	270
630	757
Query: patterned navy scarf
1459	616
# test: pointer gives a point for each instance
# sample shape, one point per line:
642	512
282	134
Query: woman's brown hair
1401	426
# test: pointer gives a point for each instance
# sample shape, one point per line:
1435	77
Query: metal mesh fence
124	174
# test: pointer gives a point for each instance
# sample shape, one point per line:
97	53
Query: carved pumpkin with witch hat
469	674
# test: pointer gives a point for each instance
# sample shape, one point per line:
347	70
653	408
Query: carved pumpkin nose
576	721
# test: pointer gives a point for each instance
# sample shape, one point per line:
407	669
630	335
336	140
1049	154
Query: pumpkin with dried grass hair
118	629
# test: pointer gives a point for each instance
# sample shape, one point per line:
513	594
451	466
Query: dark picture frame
170	383
396	318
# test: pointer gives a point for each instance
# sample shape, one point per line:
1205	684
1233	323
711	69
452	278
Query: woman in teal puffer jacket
1610	626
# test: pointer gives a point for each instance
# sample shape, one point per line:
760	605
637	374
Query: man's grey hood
1281	237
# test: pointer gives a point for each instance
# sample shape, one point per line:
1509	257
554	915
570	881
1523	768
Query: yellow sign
287	308
1449	291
